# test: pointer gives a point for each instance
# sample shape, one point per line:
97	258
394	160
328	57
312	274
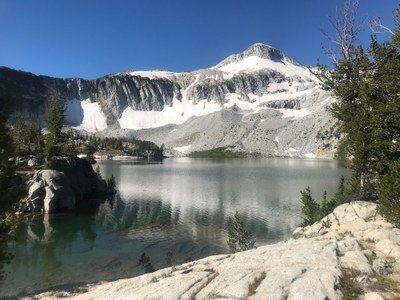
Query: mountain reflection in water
164	214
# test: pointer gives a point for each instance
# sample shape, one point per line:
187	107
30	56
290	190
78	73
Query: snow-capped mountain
258	101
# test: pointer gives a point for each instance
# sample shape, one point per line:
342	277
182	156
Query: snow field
85	115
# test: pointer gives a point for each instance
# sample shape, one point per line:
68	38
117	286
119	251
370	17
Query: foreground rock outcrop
352	251
69	183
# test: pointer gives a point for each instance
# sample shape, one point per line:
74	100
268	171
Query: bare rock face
51	192
114	93
354	241
368	246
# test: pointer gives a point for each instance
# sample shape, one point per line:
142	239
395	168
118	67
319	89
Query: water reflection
119	215
164	214
159	224
42	243
264	191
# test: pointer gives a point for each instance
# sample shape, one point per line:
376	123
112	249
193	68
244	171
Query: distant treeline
30	140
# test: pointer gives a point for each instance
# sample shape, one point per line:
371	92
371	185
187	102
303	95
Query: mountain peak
260	50
263	51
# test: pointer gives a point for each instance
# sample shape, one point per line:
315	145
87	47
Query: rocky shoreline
352	252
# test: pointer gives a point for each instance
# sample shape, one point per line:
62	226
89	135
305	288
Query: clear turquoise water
174	212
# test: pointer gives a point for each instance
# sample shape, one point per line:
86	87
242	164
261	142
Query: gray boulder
50	200
70	182
54	179
34	162
59	195
36	189
82	178
35	196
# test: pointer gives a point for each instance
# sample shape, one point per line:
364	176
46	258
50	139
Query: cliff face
270	98
112	93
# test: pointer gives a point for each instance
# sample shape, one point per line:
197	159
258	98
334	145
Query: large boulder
83	179
50	200
68	183
59	195
35	194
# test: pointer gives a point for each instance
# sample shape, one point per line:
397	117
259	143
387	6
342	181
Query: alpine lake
164	214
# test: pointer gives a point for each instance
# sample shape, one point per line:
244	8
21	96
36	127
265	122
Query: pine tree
19	134
35	137
55	122
8	196
239	239
98	173
111	185
367	88
325	208
310	209
389	194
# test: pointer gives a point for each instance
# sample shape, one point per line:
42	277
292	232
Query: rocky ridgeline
115	92
70	182
353	250
279	108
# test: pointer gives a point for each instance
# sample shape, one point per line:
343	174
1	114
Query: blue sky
92	38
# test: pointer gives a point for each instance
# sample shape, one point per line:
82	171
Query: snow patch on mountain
256	64
85	115
293	113
182	110
152	74
179	113
183	149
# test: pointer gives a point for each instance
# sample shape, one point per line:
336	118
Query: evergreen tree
7	153
239	239
98	173
35	137
55	122
325	208
89	150
310	209
111	185
389	194
19	134
341	193
8	194
28	139
367	87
